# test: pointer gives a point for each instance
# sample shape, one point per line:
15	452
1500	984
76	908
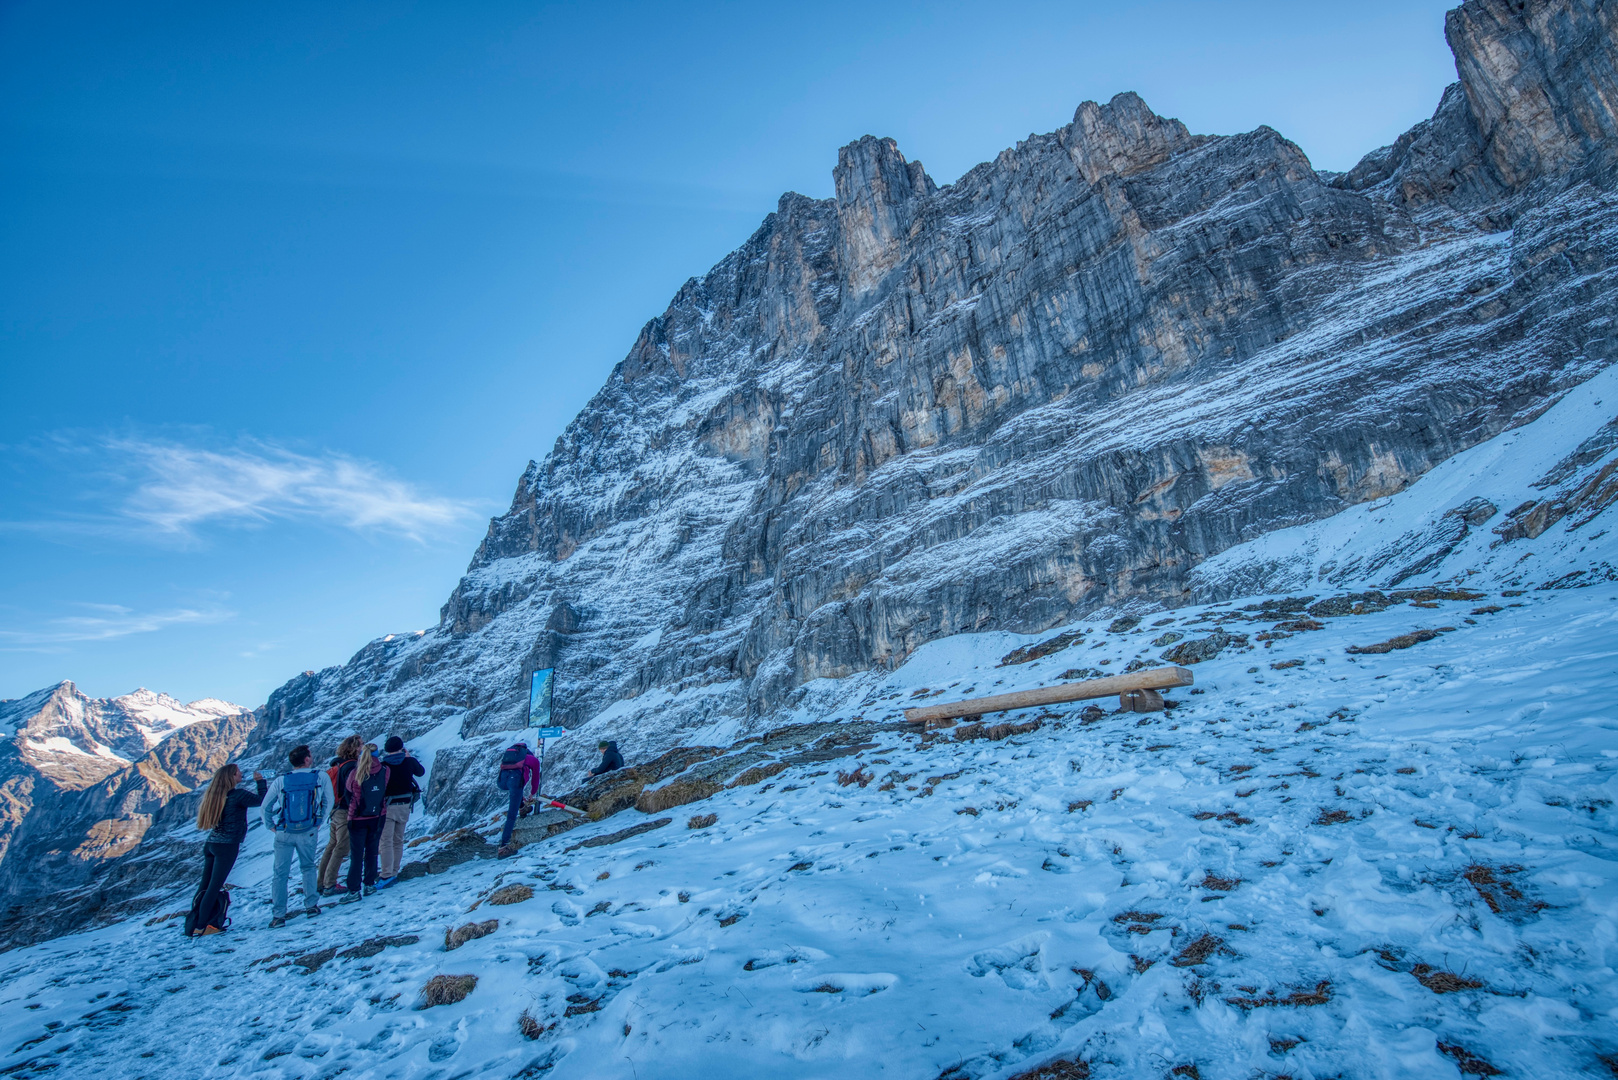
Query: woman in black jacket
224	814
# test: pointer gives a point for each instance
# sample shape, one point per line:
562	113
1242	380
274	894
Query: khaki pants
331	860
391	853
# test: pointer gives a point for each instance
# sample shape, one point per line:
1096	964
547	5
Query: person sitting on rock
610	758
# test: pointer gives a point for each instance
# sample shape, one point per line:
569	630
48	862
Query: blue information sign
552	732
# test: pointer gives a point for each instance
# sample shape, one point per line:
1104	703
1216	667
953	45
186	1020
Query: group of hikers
363	797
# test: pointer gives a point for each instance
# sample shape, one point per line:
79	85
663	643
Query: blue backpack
298	802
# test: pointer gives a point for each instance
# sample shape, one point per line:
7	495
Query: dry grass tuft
454	939
1136	917
1319	994
676	794
530	1026
447	990
758	774
1401	641
1215	883
1469	1063
1080	804
858	776
994	732
1198	951
1443	982
1062	1069
702	821
1332	817
510	894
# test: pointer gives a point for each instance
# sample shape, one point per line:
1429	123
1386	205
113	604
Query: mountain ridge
1056	386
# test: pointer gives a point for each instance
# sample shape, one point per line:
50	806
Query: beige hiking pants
331	860
391	853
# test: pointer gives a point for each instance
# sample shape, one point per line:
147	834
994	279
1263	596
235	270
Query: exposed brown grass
1215	883
447	990
460	935
702	821
530	1026
1467	1062
676	794
515	893
1401	641
1319	994
1080	804
858	776
1443	982
758	774
1332	817
1136	917
1062	1069
994	732
1198	951
1494	886
1282	665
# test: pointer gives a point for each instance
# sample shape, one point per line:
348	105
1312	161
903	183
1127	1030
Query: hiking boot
313	909
349	898
210	930
278	922
370	890
506	851
385	882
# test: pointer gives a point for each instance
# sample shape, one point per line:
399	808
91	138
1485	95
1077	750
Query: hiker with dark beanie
331	860
298	801
611	759
223	814
367	793
519	768
402	792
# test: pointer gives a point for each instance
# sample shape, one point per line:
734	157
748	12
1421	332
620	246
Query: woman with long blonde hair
331	860
223	813
366	788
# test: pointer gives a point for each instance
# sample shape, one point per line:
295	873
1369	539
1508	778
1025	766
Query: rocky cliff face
1058	384
82	783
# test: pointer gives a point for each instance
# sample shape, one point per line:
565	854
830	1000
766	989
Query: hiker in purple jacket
519	769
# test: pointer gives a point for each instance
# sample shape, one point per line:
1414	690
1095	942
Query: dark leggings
512	810
217	859
364	841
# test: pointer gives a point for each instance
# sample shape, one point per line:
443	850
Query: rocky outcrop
1057	384
1541	82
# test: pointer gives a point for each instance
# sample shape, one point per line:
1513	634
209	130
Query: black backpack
372	800
221	918
511	767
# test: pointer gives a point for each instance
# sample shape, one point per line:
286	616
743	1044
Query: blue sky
290	294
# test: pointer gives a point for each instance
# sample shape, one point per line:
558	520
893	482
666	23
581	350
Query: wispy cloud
105	622
179	488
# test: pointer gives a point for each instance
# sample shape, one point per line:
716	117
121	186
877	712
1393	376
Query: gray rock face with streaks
1055	385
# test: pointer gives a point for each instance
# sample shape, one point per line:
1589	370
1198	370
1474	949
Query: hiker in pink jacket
519	769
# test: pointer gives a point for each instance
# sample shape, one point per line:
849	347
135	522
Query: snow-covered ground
1319	863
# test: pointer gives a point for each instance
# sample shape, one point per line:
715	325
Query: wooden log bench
1137	692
